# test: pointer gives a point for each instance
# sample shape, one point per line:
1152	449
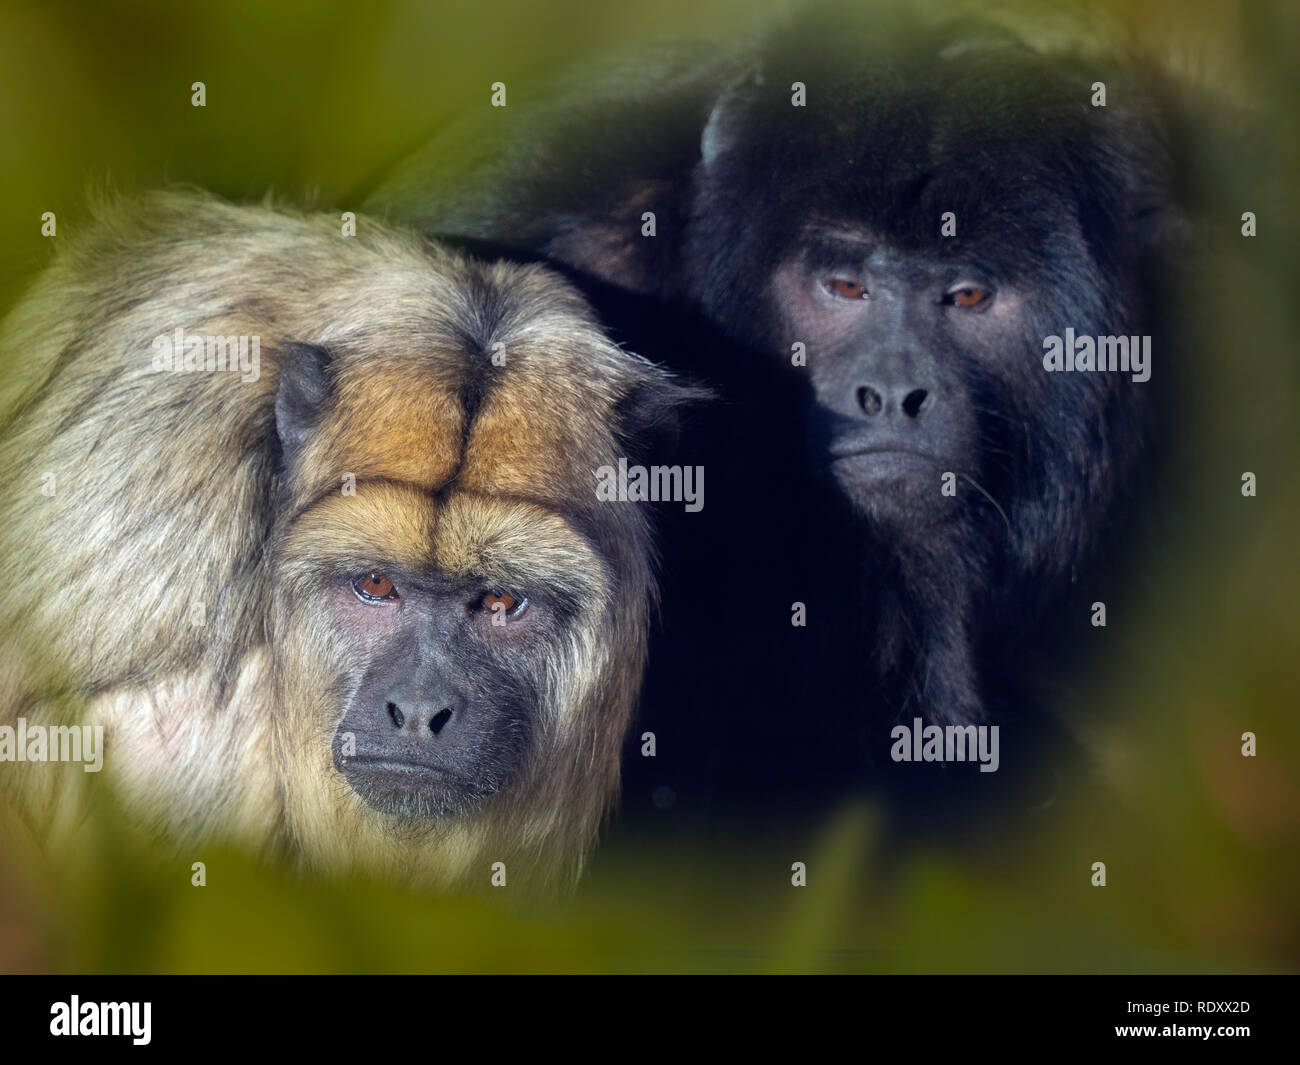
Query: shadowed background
314	101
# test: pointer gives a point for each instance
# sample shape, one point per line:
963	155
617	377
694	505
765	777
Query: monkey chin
896	490
415	794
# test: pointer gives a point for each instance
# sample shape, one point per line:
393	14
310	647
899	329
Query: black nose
880	399
419	719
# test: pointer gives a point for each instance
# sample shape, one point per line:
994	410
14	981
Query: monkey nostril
398	718
914	402
870	401
439	721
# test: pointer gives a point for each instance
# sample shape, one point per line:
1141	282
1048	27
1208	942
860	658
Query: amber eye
968	297
844	288
499	602
374	586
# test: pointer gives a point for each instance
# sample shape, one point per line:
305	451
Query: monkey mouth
893	485
410	791
881	453
413	794
877	463
388	767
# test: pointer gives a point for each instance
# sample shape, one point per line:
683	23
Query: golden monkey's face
443	632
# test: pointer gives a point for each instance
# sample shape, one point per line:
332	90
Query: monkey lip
411	791
412	772
885	454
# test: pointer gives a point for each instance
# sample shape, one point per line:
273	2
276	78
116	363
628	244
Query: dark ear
303	390
715	138
605	240
652	412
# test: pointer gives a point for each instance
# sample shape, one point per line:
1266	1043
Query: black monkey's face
922	223
893	341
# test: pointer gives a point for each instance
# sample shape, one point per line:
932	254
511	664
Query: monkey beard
924	588
924	602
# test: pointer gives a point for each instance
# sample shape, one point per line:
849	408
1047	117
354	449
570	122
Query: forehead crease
395	423
534	438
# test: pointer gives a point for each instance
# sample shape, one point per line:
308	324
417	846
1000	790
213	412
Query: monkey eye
374	587
844	288
967	297
498	602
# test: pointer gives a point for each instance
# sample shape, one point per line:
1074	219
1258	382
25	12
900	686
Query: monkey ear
301	394
712	140
605	240
716	136
749	79
652	411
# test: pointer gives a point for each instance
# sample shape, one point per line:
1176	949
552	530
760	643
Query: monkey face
921	248
439	635
442	712
893	409
923	280
452	597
